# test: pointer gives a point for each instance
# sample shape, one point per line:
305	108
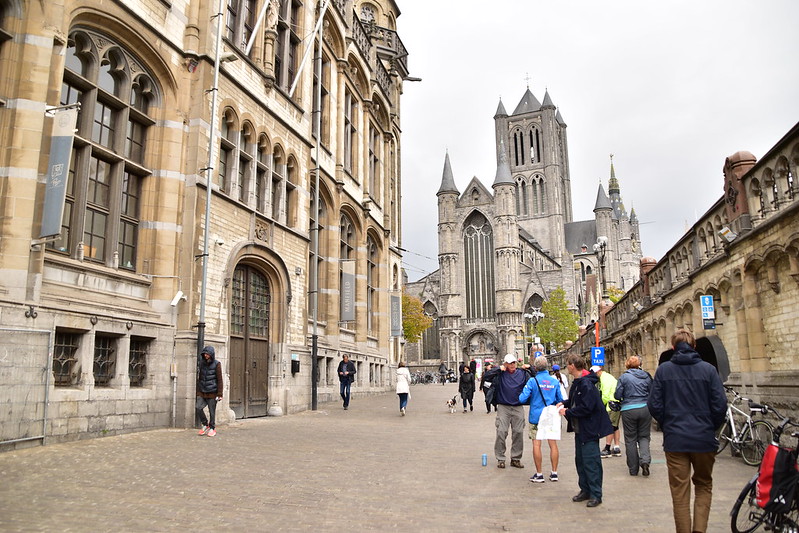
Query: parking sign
598	356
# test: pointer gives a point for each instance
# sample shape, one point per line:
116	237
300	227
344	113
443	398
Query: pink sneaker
211	432
203	431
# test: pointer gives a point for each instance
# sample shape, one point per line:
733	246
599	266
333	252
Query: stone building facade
502	252
100	318
744	253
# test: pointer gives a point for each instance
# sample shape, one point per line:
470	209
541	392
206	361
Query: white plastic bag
549	424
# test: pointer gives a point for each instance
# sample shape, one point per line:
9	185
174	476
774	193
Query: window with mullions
106	173
478	247
262	166
372	261
374	164
346	251
227	144
321	273
350	132
287	43
137	360
278	183
324	107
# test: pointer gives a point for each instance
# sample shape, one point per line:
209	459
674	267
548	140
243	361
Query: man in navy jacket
688	401
588	419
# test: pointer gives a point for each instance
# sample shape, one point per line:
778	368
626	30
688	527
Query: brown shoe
516	463
500	464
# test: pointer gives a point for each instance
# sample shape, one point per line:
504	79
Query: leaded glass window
478	249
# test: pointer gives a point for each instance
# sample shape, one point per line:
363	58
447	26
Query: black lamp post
600	249
533	316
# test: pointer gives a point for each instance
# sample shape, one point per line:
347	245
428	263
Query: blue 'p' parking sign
598	356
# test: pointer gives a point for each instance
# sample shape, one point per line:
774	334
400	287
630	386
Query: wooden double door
249	342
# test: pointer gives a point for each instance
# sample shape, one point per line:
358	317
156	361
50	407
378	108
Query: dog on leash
452	403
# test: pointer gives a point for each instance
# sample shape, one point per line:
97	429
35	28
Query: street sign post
597	356
708	311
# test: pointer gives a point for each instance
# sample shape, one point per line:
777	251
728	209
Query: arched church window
518	147
535	145
522	203
478	249
430	345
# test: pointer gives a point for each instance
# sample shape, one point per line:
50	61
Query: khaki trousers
680	479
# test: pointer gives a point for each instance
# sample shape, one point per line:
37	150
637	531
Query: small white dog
452	403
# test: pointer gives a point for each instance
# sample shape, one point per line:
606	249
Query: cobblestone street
332	470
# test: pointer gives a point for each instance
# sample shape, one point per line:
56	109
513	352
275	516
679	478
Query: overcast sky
670	88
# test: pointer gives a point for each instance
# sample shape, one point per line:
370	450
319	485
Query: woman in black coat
466	388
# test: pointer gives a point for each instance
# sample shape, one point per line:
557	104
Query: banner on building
347	290
396	316
58	171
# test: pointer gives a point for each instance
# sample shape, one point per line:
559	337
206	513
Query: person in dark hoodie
688	401
588	419
632	390
209	390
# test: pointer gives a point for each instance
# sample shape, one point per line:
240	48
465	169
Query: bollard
485	459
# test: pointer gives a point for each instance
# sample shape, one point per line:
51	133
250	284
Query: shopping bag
549	424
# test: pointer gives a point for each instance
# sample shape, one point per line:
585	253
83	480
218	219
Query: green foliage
414	321
559	323
615	294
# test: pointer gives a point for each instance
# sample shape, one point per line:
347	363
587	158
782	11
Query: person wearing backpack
632	390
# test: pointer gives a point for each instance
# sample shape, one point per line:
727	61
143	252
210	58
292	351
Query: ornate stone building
501	253
744	253
91	344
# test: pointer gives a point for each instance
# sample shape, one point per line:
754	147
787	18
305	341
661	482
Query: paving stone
366	468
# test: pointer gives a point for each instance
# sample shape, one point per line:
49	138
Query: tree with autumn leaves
559	323
414	320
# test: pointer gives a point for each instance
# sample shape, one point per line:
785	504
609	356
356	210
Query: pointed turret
447	180
503	176
500	110
602	201
615	194
559	119
633	216
547	102
528	104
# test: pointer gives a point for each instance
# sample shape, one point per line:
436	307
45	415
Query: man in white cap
508	381
607	386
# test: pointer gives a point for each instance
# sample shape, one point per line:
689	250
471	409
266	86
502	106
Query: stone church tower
501	253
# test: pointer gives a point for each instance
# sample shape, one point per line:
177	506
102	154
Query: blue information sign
598	356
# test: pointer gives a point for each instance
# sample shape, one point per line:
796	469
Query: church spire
547	101
447	180
613	185
614	191
500	110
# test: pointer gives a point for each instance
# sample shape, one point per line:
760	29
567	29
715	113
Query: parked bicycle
747	437
754	506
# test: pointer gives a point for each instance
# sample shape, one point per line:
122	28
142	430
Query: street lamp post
600	249
534	316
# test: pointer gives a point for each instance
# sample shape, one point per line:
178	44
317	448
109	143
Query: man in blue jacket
589	421
542	390
688	401
508	382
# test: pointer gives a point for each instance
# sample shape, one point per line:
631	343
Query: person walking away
632	390
209	390
607	386
588	420
542	390
346	375
403	386
442	371
687	399
508	381
487	389
466	388
562	380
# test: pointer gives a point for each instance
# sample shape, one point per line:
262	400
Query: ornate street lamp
600	249
534	316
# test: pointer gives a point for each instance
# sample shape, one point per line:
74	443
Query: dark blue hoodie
687	399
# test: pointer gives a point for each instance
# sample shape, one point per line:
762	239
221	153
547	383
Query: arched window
227	146
372	280
374	163
324	106
522	201
240	22
277	185
246	146
350	132
262	166
430	344
478	247
346	253
292	177
518	147
321	270
535	145
287	43
539	196
107	168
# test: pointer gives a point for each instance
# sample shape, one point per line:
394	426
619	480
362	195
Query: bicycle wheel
754	441
723	435
746	515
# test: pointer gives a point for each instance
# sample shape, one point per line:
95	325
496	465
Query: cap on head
596	368
555	367
510	358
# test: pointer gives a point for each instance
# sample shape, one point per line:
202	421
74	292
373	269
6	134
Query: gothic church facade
503	250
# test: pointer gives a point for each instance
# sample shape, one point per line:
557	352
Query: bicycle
749	438
753	516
